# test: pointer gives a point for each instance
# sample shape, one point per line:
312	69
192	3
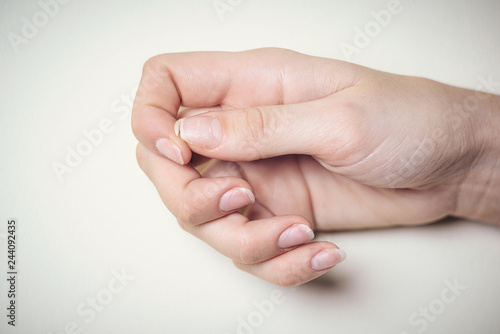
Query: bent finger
192	199
254	241
297	266
232	80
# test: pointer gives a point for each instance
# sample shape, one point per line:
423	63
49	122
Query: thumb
261	132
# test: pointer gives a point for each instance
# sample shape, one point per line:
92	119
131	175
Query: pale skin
299	144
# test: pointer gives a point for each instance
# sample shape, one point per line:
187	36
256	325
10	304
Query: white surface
105	215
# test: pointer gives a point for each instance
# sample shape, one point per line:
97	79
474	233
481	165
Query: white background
74	234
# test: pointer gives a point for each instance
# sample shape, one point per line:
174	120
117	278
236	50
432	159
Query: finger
275	182
229	80
232	235
218	168
297	266
254	241
196	160
191	198
262	132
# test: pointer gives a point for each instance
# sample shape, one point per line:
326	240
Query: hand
322	144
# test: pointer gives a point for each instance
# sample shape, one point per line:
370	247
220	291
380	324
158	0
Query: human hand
321	143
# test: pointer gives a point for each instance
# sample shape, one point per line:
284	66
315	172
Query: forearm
478	195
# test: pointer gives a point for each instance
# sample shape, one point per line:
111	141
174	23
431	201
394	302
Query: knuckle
254	127
136	124
294	274
185	217
183	211
151	64
139	155
155	72
255	121
287	279
249	250
286	282
189	228
193	204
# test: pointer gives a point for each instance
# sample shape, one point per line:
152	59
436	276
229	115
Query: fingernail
327	258
236	198
170	149
202	131
296	234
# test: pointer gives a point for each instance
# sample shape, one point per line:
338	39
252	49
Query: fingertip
327	259
177	127
172	149
204	132
297	265
295	235
236	198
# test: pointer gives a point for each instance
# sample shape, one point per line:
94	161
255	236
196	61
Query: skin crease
342	203
321	142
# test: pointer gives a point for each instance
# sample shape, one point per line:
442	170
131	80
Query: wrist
478	194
